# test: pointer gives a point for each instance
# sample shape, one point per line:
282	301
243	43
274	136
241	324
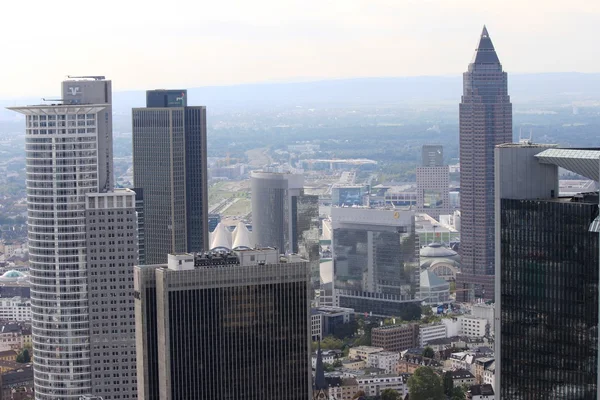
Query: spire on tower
485	52
320	382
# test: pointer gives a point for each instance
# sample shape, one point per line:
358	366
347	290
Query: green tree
360	393
410	312
448	383
428	352
458	393
425	384
390	394
26	356
337	363
331	343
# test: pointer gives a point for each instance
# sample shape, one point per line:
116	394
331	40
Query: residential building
362	352
375	257
345	389
430	332
17	384
354	363
409	363
547	257
15	309
251	336
8	355
375	385
395	337
385	360
481	392
316	321
464	360
169	151
69	153
462	377
286	218
481	364
489	375
328	358
473	326
112	251
485	121
433	185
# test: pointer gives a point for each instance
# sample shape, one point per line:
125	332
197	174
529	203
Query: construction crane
94	77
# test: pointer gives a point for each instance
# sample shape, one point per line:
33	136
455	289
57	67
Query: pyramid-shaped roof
485	52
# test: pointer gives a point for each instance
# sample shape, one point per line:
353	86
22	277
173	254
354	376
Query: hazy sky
149	44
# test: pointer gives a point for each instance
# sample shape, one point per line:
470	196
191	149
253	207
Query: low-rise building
374	385
396	337
6	366
408	364
17	384
483	310
343	388
481	392
328	358
431	331
354	364
362	352
462	377
473	326
480	365
8	355
10	337
385	360
489	375
326	321
15	309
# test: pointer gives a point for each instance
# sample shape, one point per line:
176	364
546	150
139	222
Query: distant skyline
191	44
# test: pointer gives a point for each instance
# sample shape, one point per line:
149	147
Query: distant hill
523	88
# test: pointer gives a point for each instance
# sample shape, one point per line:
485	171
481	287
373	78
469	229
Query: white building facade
430	332
15	309
68	154
386	360
375	385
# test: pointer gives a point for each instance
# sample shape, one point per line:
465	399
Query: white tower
68	154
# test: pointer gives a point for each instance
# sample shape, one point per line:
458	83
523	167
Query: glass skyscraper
375	259
547	254
485	121
228	326
169	164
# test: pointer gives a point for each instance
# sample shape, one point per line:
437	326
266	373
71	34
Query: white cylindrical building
68	154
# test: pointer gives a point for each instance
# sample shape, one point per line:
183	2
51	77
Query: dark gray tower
169	164
485	121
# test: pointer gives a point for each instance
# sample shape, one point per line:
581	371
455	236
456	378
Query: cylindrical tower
64	161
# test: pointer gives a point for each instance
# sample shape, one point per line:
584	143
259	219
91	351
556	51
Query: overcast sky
173	43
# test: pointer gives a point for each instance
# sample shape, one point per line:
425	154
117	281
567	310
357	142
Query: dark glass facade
375	261
166	98
169	164
549	300
307	234
245	342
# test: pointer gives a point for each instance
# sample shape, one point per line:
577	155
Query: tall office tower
112	251
228	326
375	260
547	260
284	217
485	121
169	164
68	155
433	186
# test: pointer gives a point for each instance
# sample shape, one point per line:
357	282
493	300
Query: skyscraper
169	164
284	217
228	326
375	260
547	279
112	252
433	192
69	163
485	121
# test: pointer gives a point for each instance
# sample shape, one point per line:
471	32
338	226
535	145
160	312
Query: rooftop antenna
94	77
